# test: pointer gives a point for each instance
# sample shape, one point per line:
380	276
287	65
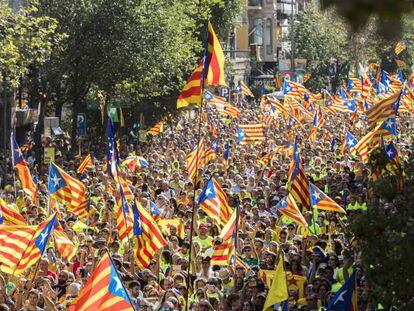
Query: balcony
255	4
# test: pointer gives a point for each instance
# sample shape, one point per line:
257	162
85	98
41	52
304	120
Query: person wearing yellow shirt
205	240
20	201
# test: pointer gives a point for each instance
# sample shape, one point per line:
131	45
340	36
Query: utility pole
292	40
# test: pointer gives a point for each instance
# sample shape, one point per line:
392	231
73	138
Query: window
256	32
269	41
258	23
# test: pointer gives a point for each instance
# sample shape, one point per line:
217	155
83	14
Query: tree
388	13
384	235
328	44
320	38
26	42
137	53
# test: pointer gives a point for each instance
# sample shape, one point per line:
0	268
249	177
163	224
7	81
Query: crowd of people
318	260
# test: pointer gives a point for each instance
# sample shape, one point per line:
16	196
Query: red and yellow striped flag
104	290
191	93
215	59
14	240
298	182
10	216
250	133
149	236
67	190
399	47
382	110
213	200
156	129
87	163
63	245
195	159
37	246
124	220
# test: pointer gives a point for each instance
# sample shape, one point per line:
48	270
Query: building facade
261	39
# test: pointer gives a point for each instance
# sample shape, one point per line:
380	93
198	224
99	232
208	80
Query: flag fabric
124	219
278	292
400	63
156	129
243	89
113	158
213	200
103	290
287	206
191	93
223	252
386	130
275	105
215	59
134	162
63	245
14	240
148	234
23	171
345	298
10	216
37	246
68	190
87	163
211	153
210	71
382	110
166	224
250	133
321	201
314	128
298	91
400	46
354	84
297	181
195	159
365	81
349	142
226	109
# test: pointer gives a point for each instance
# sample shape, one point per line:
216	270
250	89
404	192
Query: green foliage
25	41
325	41
389	14
141	53
385	235
321	39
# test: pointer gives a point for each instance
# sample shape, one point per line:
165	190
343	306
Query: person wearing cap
227	282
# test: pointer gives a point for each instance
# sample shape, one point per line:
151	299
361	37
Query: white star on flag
389	123
390	153
341	297
118	283
316	195
350	142
209	191
43	236
56	180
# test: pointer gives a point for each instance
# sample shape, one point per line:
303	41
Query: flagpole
13	168
46	242
200	109
122	283
236	228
